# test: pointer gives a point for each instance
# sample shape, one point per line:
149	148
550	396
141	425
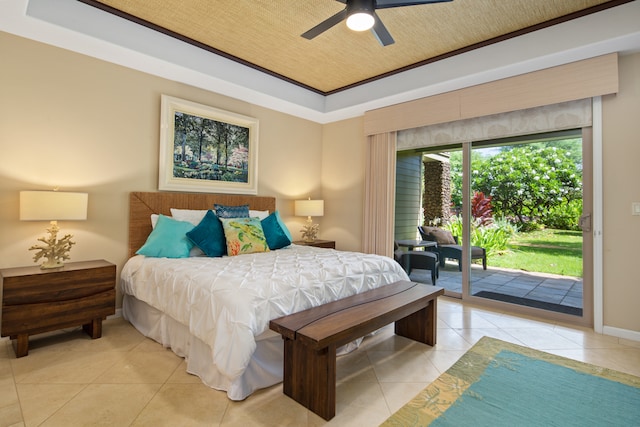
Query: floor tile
268	407
403	366
66	367
137	367
40	401
104	405
184	405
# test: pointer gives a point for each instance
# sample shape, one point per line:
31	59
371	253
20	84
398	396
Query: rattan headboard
142	205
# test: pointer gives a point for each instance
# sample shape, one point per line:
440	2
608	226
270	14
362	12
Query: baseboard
117	314
621	333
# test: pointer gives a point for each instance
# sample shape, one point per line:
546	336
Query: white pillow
154	220
189	215
260	214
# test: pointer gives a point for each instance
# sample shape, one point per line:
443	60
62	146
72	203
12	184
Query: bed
215	311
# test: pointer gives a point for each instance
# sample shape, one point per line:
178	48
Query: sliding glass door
519	212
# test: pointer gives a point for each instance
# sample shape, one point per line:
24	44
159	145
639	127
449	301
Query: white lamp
360	15
53	206
309	208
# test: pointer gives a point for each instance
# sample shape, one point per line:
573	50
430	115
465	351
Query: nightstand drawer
31	285
17	319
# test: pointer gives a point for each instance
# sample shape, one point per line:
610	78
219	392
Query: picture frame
206	149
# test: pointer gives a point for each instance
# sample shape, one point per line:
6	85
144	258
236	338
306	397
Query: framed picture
205	149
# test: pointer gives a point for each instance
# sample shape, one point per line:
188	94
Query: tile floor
124	379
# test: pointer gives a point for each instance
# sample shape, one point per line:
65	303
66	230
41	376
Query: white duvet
227	302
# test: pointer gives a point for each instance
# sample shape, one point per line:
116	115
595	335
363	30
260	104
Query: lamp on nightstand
309	208
53	206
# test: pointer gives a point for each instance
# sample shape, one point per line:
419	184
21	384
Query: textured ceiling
265	34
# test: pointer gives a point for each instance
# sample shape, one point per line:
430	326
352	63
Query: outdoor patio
548	291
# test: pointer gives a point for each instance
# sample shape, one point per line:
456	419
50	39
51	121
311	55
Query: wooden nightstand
330	244
36	300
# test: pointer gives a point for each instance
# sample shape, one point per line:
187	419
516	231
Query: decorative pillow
440	235
223	211
195	251
190	215
244	236
154	220
208	235
277	234
259	214
168	239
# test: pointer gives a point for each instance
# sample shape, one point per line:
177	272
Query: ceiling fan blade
325	25
381	32
386	4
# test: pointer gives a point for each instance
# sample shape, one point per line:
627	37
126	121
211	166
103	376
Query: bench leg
310	377
420	326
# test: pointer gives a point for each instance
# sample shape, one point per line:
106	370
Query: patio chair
448	246
420	260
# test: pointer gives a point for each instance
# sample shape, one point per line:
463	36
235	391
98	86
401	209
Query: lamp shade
53	206
309	207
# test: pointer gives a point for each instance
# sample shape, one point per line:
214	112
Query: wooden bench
311	337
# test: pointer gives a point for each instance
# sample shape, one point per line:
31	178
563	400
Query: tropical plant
493	237
481	209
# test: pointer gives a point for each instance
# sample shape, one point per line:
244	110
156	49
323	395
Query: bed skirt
265	368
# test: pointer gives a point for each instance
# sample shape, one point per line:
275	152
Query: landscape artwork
205	149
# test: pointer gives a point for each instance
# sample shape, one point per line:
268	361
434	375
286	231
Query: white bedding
227	302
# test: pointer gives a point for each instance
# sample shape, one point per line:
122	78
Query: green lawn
545	251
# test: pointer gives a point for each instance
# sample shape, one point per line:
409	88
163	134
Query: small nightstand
36	300
330	244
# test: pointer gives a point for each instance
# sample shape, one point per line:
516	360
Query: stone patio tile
572	302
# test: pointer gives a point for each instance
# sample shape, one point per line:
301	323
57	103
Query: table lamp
309	208
53	206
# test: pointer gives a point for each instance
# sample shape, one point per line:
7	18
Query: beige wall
81	124
343	153
621	186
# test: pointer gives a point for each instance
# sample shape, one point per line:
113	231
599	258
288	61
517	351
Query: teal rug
503	384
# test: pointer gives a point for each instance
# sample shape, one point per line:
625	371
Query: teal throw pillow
208	235
168	239
223	211
276	232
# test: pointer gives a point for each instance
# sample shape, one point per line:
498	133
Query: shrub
493	237
564	217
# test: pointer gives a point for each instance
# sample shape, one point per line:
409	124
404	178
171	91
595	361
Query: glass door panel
441	207
525	204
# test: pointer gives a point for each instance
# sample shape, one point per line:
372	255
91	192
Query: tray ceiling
265	34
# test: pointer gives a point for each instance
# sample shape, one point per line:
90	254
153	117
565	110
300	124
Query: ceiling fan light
360	21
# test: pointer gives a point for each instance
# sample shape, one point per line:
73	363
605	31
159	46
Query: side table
330	244
36	300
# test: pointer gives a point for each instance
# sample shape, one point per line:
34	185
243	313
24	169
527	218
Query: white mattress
226	304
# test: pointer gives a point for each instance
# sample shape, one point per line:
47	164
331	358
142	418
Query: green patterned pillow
244	236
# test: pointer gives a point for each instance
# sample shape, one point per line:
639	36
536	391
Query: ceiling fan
361	16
